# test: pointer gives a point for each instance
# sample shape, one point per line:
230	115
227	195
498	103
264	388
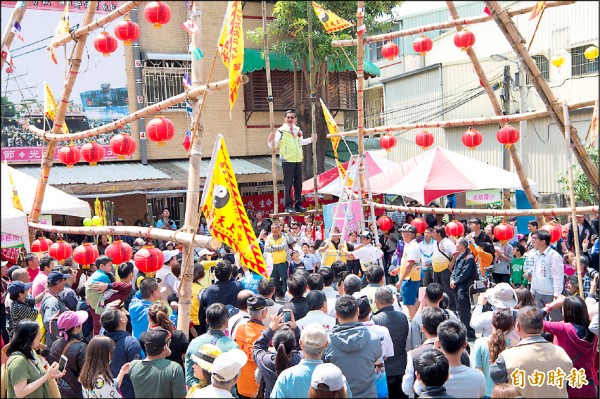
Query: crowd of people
410	315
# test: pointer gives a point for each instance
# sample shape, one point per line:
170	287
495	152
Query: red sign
104	7
34	154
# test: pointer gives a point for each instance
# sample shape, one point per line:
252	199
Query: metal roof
241	166
104	172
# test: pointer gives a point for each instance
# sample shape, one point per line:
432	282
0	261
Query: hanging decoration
558	61
160	130
119	251
69	155
97	220
122	145
92	152
420	225
591	53
508	136
60	250
455	229
424	139
127	31
105	43
86	254
41	245
9	70
555	231
504	232
390	50
387	142
157	13
87	222
149	260
464	39
422	45
187	140
385	223
472	138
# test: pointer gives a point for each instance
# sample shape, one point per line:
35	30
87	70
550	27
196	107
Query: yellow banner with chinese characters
331	22
226	216
15	195
335	141
50	107
231	48
537	10
61	29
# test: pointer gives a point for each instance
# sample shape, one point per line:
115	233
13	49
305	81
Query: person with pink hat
71	345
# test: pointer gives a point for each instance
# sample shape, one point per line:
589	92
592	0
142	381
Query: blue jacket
138	311
126	350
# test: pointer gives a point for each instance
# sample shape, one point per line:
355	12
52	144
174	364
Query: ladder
350	189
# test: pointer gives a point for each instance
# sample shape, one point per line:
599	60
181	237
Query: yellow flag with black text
225	213
50	107
331	22
231	48
335	141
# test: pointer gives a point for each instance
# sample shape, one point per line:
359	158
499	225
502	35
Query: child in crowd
516	267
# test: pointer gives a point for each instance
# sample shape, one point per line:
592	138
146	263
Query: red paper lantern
157	13
387	142
127	31
187	141
385	223
455	229
61	250
160	130
464	39
504	232
119	251
508	136
555	231
122	145
69	155
422	45
149	259
92	153
9	70
86	254
425	139
105	43
41	245
390	50
420	224
472	138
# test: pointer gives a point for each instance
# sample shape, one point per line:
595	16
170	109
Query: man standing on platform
290	141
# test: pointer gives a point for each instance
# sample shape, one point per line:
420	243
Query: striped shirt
21	311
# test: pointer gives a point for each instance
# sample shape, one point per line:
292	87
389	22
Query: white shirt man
368	254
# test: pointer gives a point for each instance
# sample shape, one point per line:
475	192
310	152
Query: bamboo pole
569	156
48	158
149	110
443	25
179	237
97	24
270	101
8	35
516	40
489	120
313	98
498	111
553	212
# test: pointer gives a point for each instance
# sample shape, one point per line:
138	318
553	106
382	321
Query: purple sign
35	154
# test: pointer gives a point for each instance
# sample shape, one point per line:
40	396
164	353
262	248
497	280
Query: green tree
289	35
8	108
581	184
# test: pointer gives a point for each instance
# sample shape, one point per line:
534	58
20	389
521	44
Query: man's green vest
290	147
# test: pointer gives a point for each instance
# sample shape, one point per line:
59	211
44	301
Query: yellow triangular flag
231	48
331	22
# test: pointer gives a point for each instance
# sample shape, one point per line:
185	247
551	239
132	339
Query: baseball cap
366	234
16	287
314	336
69	319
206	355
228	365
154	340
475	220
258	302
139	241
502	295
409	227
170	255
203	251
55	277
327	377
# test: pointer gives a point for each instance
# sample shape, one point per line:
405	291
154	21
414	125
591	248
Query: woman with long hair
272	364
96	378
158	316
573	335
524	298
27	373
487	349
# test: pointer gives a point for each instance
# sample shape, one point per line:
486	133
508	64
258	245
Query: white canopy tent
438	172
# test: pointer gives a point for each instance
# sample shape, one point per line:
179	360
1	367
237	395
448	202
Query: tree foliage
581	185
9	109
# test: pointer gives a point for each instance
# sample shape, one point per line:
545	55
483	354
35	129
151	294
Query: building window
163	79
374	51
543	65
581	65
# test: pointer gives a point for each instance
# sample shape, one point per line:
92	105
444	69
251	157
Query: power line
31	44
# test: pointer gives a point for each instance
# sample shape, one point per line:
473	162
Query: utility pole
505	153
